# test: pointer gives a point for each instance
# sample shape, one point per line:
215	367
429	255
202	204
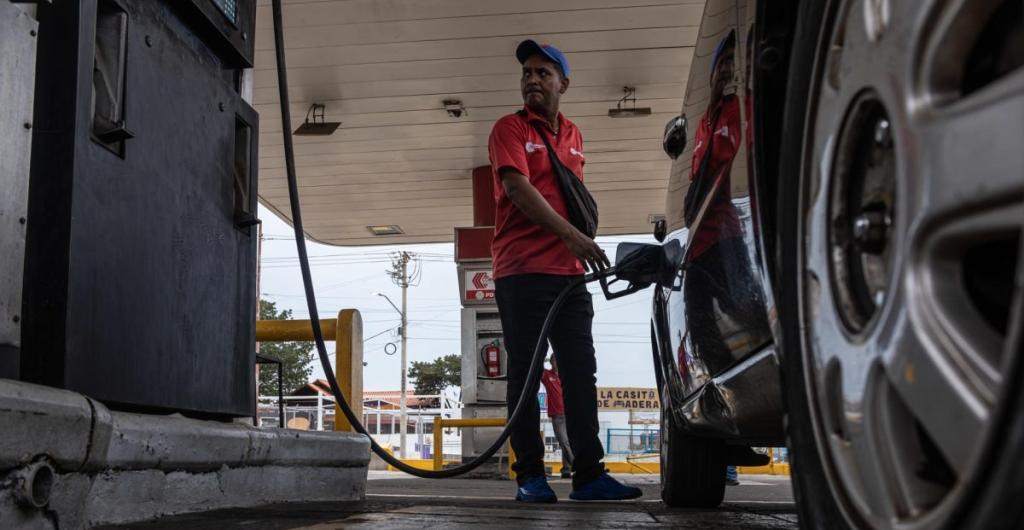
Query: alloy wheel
912	207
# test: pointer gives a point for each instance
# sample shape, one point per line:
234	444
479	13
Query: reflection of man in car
719	289
717	138
720	292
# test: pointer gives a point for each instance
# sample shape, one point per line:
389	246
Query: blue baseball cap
529	48
729	41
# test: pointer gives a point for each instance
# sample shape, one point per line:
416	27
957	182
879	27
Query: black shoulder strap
555	161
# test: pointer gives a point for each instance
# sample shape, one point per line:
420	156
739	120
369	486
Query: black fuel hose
533	377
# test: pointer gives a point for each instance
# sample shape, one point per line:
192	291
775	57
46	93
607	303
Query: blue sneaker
536	489
604	488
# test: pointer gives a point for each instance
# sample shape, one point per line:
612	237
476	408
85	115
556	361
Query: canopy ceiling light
385	230
315	124
455	108
630	111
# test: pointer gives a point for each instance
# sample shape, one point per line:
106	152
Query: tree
295	357
435	376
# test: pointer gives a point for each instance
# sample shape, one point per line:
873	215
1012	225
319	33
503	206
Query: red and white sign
479	286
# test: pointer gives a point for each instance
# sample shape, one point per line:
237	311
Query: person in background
556	411
732	478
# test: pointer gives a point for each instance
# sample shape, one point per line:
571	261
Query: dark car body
717	361
849	221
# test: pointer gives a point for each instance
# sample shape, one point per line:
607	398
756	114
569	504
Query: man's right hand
586	250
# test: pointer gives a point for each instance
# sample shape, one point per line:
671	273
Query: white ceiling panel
383	67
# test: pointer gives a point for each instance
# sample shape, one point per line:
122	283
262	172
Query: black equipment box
140	269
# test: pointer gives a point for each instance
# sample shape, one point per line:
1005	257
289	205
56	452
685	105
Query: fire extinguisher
491	354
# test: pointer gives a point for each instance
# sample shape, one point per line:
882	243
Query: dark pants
523	302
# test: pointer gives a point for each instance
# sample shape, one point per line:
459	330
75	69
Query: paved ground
395	501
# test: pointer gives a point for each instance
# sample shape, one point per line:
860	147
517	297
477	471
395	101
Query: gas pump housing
483	391
140	259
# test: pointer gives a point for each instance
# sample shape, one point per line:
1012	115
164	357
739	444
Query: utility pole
405	341
403	277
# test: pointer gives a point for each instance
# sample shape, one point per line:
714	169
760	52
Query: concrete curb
43	420
174	443
116	467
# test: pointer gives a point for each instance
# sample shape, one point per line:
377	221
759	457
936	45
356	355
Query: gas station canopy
385	68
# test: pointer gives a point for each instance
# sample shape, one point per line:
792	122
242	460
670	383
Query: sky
349	277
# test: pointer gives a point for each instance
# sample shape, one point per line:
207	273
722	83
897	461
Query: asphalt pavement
396	501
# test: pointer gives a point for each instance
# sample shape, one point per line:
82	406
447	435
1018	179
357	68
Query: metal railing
631	441
382	423
318	410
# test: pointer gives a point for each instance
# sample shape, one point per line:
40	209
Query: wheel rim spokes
903	349
951	412
973	152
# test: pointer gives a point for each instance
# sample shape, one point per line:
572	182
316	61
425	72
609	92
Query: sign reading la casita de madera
627	398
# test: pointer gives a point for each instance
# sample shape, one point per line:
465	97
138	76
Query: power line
368	339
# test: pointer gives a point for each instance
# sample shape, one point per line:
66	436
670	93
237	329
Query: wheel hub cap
862	207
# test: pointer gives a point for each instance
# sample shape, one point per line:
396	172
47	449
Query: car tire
815	503
692	468
987	496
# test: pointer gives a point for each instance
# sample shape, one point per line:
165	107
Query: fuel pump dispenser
484	358
138	233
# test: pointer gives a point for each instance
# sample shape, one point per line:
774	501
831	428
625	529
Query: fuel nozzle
639	265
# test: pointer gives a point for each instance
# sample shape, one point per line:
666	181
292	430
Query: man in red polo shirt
537	253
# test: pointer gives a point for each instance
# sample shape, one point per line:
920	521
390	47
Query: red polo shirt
720	220
521	246
553	386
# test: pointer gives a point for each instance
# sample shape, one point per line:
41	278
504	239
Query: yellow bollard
439	425
511	460
348	365
347	332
